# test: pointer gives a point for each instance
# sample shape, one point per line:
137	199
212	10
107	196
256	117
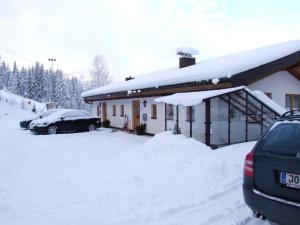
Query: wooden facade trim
154	92
258	73
295	71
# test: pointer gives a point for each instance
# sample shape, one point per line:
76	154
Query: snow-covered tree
46	85
30	86
75	89
4	74
61	93
15	81
99	72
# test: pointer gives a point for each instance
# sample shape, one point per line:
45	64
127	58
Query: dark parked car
66	121
25	123
272	172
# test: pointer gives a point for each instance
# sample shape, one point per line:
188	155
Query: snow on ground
107	178
20	102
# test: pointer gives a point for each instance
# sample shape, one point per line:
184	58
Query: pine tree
30	83
15	82
23	81
75	89
61	94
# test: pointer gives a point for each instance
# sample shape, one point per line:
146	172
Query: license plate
290	179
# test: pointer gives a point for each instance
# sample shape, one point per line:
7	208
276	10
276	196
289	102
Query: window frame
187	118
154	111
292	101
122	110
114	110
170	112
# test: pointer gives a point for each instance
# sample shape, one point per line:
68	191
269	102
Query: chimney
186	61
187	56
129	78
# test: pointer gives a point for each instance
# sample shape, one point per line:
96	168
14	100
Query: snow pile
216	68
20	101
177	179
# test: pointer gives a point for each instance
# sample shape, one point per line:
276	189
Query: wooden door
104	111
135	113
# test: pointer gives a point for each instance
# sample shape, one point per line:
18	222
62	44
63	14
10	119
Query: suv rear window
284	139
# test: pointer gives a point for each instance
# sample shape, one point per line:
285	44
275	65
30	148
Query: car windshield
284	139
48	112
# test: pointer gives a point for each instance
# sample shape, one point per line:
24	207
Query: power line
19	55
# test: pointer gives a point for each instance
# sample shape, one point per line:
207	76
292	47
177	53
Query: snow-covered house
218	101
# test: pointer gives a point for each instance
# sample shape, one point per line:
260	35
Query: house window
114	110
269	94
292	101
170	112
190	113
153	111
121	110
99	109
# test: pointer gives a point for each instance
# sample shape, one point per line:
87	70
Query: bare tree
99	72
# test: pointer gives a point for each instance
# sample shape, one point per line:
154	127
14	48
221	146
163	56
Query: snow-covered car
66	121
272	172
25	123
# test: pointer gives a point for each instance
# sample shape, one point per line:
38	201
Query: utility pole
52	60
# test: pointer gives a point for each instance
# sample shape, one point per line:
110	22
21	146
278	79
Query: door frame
135	122
104	111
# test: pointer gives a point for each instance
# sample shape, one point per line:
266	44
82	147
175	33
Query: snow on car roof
56	115
216	68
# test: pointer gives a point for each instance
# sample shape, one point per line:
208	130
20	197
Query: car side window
74	115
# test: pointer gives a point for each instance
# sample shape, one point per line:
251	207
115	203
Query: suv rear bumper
275	209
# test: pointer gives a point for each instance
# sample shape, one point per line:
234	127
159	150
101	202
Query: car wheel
92	127
52	130
28	126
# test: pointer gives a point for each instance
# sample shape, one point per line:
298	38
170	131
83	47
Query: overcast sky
138	36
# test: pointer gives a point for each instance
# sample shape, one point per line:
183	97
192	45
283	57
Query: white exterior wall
94	108
279	84
153	126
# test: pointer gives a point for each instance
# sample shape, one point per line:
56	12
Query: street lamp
52	60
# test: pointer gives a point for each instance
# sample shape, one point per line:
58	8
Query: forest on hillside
44	85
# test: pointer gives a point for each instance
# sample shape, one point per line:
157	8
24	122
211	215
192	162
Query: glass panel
189	110
170	112
254	119
238	117
219	121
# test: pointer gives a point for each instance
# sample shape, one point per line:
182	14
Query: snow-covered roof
195	98
216	68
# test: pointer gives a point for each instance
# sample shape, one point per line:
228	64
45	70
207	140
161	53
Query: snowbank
180	179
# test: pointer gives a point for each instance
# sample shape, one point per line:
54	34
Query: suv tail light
248	166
